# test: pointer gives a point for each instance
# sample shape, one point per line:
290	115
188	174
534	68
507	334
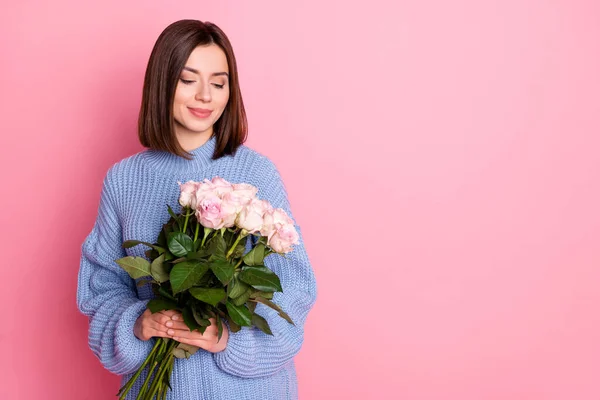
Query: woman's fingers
203	344
157	326
176	325
169	323
171	313
185	333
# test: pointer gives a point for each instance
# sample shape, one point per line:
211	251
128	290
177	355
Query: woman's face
202	93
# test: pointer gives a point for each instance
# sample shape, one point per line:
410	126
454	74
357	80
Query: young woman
193	123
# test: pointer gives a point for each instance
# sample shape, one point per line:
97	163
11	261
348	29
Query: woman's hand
169	323
149	325
179	331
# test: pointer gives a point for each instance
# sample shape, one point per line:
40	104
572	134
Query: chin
197	128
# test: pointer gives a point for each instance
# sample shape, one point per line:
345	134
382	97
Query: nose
203	93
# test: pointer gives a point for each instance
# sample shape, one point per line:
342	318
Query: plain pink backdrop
441	157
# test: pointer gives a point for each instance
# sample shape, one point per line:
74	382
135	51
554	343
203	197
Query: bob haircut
156	125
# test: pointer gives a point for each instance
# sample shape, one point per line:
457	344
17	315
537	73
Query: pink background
442	158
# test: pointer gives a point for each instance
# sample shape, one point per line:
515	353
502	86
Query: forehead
208	59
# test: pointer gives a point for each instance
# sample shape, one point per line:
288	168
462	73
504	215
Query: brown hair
156	125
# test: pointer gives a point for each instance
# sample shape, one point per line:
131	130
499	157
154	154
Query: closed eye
188	82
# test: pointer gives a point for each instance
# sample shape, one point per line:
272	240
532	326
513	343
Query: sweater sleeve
251	352
106	294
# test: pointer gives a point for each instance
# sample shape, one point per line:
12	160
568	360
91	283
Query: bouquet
200	267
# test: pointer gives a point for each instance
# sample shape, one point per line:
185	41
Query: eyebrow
198	73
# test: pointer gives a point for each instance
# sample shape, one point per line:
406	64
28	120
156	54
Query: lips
200	112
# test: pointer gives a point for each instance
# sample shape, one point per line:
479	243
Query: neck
190	140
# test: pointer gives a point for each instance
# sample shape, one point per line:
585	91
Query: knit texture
133	205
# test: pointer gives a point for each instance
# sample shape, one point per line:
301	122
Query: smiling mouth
200	112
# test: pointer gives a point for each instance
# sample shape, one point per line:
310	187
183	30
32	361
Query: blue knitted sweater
133	205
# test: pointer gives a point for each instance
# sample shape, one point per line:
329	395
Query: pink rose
282	239
236	199
187	198
229	210
273	220
221	186
204	189
209	213
245	190
250	217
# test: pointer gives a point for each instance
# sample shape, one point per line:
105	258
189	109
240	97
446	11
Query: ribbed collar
165	162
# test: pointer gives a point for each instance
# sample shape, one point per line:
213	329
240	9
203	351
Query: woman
193	123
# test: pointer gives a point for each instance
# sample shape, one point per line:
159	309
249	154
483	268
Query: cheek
222	98
221	102
183	95
178	103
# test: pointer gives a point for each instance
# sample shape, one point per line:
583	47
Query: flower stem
206	233
196	234
167	360
131	381
153	364
162	394
238	264
240	237
187	216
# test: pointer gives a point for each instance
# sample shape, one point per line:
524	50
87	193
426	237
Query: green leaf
211	296
159	270
161	240
210	313
233	327
197	255
167	228
266	295
180	353
200	319
236	288
144	281
188	347
240	248
180	244
217	248
136	267
275	307
261	324
238	301
261	278
188	318
156	305
172	214
207	280
186	274
151	254
131	243
185	350
163	292
239	314
256	256
219	328
223	270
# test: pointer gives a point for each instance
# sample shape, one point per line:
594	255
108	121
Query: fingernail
174	317
170	331
169	324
